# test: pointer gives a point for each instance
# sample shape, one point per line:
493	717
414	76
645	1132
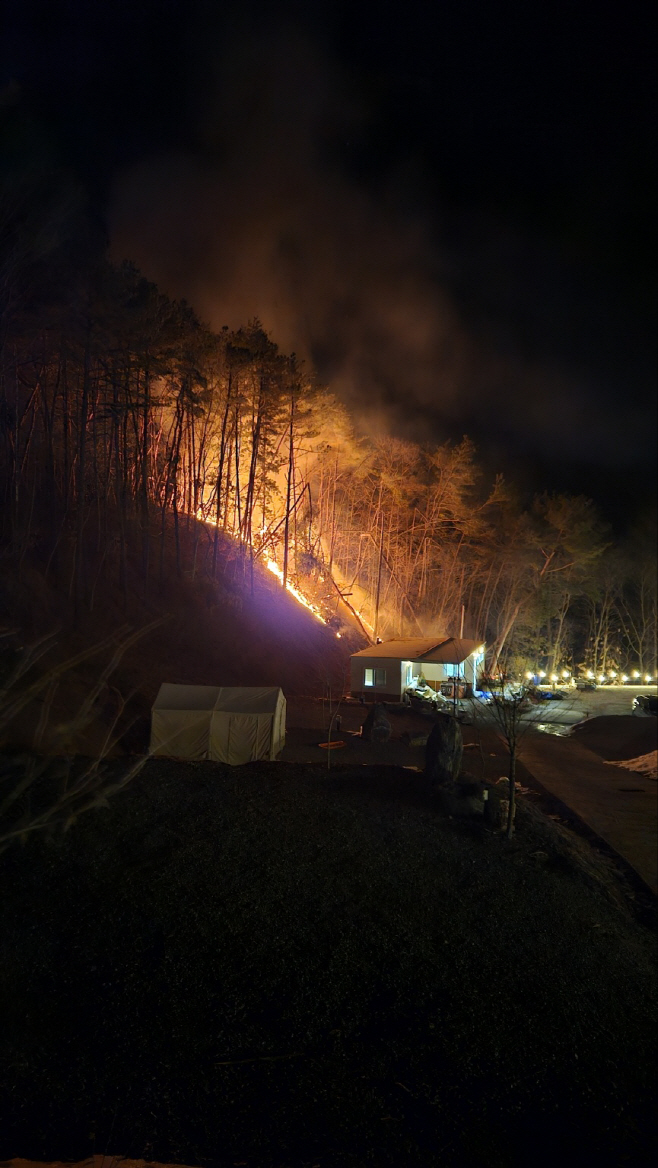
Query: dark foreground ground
278	966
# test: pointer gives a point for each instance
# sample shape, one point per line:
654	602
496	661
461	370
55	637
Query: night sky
447	208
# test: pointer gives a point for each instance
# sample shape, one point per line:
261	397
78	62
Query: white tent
222	723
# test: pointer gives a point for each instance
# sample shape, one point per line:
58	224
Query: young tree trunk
291	460
146	411
511	809
82	456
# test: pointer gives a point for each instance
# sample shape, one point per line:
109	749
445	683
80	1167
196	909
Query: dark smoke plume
425	324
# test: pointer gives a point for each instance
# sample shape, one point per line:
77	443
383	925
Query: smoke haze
425	321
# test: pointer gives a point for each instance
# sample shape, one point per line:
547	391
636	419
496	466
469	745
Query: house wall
396	673
389	691
438	673
429	671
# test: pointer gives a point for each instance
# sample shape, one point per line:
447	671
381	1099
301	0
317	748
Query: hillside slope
221	632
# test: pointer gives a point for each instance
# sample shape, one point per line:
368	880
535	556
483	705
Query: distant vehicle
645	705
584	683
548	695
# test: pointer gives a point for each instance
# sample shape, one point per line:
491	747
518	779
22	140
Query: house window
451	670
374	677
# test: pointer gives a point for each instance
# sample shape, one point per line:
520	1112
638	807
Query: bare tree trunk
146	407
291	459
82	453
511	809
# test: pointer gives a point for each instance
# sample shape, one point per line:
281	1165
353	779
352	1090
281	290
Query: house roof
440	651
453	651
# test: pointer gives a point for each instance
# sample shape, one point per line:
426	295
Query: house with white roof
383	672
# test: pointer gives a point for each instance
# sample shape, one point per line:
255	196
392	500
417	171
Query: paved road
579	704
619	805
576	706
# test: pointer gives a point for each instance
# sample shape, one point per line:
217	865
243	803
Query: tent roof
186	697
233	699
440	651
248	699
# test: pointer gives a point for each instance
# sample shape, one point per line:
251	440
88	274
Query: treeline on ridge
125	421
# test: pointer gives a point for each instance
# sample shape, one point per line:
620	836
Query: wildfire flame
273	567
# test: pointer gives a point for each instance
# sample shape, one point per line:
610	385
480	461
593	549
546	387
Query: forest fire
382	534
273	567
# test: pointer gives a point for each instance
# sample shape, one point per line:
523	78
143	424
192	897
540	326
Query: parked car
547	695
584	683
645	705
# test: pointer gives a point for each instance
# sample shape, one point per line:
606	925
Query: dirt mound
646	764
617	737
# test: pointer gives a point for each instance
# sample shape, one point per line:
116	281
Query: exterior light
339	635
529	675
590	674
565	673
624	677
601	676
612	673
554	677
647	677
636	673
542	674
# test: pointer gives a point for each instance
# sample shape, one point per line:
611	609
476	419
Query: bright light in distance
612	673
601	676
636	673
565	673
554	677
589	673
338	635
647	677
542	674
529	675
624	677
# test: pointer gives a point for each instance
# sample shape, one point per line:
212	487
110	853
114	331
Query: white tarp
221	723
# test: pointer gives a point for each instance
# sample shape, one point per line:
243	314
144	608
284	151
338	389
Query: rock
443	753
455	800
414	740
469	785
376	727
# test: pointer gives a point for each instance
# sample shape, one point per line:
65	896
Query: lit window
374	677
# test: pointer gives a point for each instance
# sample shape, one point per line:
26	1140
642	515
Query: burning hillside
145	420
